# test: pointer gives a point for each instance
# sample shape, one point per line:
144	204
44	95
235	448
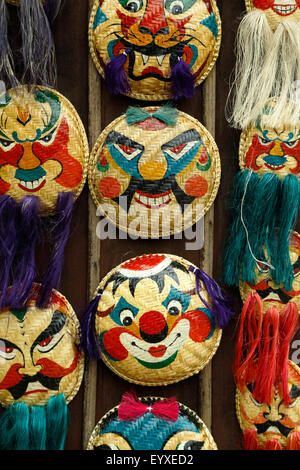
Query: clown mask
152	326
148	45
40	368
154	172
148	424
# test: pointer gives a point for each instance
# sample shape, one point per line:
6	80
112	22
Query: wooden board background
211	393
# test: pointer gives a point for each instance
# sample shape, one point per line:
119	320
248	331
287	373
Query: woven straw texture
151	432
40	343
109	19
254	415
283	12
274	295
43	149
167	181
150	327
270	150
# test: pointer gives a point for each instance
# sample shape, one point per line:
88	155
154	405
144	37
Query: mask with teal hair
265	203
41	370
150	424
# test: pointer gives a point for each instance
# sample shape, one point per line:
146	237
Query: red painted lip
154	196
157	351
271	300
33	190
152	70
274	169
152	207
35	391
284	14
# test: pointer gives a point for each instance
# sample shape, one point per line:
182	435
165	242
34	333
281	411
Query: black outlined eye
7	144
49	138
128	152
174	307
292	143
7	350
263	141
126	317
49	343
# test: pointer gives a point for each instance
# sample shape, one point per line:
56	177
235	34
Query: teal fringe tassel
270	211
36	427
166	113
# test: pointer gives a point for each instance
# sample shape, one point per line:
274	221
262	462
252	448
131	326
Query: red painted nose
154	19
153	327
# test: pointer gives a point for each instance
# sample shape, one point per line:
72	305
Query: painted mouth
31	180
32	388
284	10
274	162
153	201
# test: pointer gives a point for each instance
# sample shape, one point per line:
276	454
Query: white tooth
160	59
145	58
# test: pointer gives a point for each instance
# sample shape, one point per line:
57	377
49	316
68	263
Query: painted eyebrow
187	136
57	323
117	138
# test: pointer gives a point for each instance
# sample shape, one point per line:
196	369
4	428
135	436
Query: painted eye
291	405
190	445
128	152
176	7
126	317
48	139
263	141
133	5
178	151
262	268
7	351
49	343
256	403
174	307
292	144
106	447
7	144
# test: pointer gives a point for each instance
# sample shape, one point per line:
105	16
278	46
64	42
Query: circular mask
276	10
272	294
151	324
43	146
153	178
39	355
271	150
149	431
274	421
154	34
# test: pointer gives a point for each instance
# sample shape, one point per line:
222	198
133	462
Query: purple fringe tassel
221	305
59	235
183	81
88	340
115	77
28	233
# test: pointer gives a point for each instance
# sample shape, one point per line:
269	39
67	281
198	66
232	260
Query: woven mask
272	294
264	205
150	424
154	171
274	426
154	50
156	320
267	381
37	49
41	370
43	163
268	57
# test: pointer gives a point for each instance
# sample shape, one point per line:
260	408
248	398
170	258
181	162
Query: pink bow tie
132	408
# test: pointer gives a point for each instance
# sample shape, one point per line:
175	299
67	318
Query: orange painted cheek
109	187
196	186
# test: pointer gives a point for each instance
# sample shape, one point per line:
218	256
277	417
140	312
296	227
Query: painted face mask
274	426
37	49
264	205
156	320
43	164
150	424
272	294
267	382
154	172
41	369
154	50
268	56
